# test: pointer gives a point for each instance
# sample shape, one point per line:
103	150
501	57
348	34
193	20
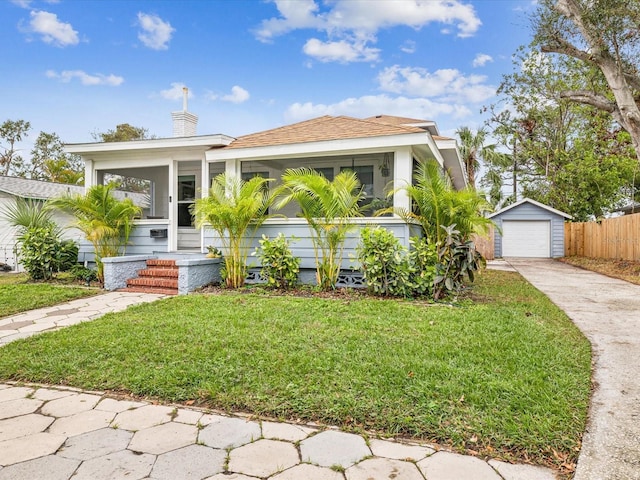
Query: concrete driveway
607	311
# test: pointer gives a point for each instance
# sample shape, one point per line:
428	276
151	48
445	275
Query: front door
188	236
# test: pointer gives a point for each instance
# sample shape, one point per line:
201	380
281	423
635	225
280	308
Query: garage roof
532	202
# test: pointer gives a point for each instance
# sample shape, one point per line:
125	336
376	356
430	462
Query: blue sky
74	67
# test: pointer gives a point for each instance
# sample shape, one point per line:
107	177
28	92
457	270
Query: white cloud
408	47
85	79
445	84
370	105
341	51
155	33
351	25
51	29
237	95
482	59
176	92
22	3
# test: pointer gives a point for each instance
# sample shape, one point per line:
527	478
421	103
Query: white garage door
526	238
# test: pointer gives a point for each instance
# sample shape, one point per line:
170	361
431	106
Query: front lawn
507	375
17	294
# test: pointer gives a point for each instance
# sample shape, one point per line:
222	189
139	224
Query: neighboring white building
12	188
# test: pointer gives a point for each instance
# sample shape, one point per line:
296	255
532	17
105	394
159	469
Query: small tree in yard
42	250
104	220
233	209
329	208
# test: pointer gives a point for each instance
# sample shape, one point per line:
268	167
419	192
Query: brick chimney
184	123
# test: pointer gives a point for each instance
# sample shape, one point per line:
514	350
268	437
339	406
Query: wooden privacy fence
617	238
485	244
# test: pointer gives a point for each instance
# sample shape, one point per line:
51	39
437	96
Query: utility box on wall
158	233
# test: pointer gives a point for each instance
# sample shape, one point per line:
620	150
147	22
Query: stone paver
143	417
229	432
189	463
24	425
331	448
163	438
117	406
399	451
285	431
521	472
122	465
263	458
50	467
232	476
19	406
15	393
67	406
82	423
384	468
309	472
96	444
26	448
452	466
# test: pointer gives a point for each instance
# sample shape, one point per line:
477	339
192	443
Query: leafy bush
457	260
423	257
43	253
279	266
82	273
384	262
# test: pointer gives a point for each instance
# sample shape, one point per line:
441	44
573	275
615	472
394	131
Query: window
365	176
327	172
186	198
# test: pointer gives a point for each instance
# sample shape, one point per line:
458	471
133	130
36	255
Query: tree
472	150
12	132
328	207
437	204
568	155
125	132
603	34
105	221
234	208
50	163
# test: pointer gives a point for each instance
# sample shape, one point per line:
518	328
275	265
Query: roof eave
202	141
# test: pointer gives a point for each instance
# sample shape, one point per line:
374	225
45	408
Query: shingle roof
393	120
39	190
323	129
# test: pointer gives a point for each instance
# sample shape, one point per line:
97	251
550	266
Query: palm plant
233	209
104	220
328	207
472	149
26	213
437	204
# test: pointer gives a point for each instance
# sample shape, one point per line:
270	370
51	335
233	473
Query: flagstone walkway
56	433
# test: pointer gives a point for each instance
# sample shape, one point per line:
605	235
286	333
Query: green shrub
423	258
457	260
279	266
43	253
384	262
82	273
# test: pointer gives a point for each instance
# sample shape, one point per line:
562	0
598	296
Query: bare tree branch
590	98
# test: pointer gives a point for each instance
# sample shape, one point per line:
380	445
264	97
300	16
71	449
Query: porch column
233	167
402	172
173	206
89	173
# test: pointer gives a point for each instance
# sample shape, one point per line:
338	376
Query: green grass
17	294
508	375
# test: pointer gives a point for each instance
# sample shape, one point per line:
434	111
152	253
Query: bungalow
382	151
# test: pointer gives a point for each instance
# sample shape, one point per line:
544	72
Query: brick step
159	272
158	290
153	282
161	262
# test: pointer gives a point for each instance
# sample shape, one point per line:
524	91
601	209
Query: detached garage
529	229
